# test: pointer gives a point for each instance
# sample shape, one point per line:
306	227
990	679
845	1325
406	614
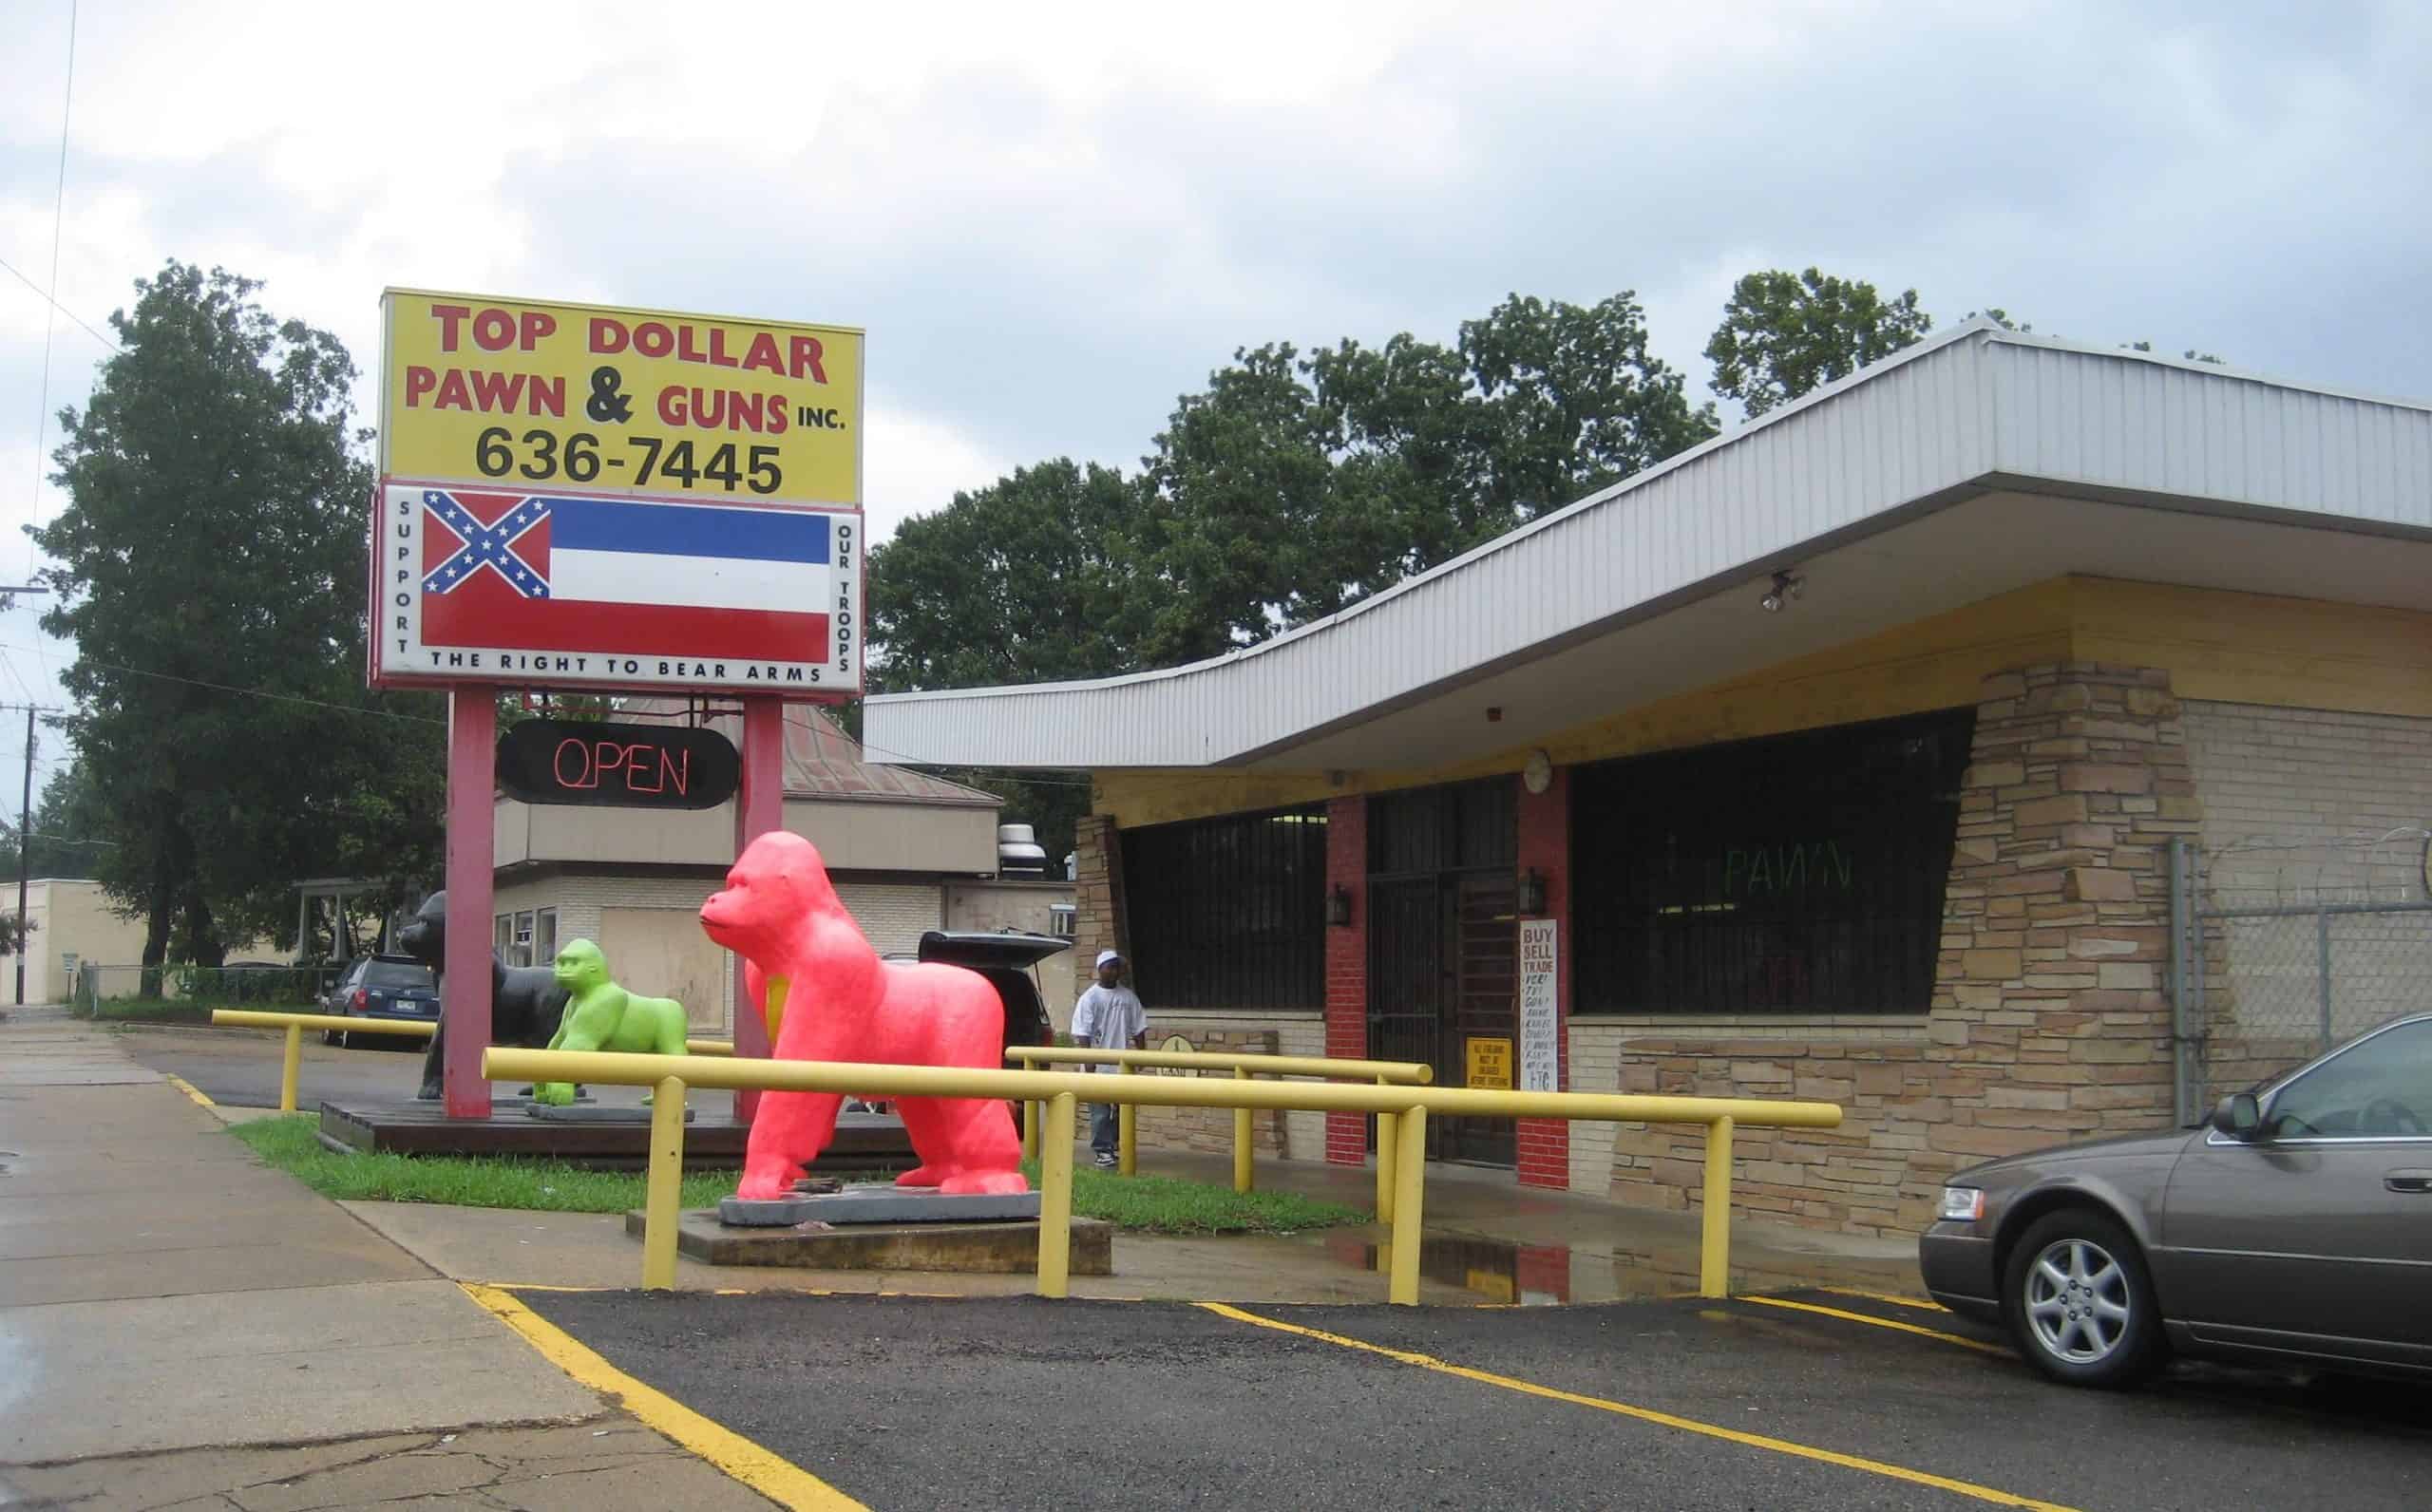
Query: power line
12	269
250	693
50	317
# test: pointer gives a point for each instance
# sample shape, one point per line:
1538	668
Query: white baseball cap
1105	956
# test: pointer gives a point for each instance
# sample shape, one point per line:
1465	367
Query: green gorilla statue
602	1015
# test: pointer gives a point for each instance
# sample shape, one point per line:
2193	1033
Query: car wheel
2080	1302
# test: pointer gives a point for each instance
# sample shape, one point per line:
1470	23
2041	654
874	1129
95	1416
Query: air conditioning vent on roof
1018	853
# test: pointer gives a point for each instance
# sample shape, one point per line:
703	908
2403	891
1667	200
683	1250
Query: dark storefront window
1229	913
1464	828
1799	874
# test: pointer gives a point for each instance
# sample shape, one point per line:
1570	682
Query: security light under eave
1787	588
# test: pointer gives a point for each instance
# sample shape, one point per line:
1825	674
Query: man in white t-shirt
1109	1017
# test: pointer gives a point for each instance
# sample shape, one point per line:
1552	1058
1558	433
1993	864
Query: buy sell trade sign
575	496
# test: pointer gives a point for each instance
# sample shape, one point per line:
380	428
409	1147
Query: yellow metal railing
1243	1065
1063	1091
296	1024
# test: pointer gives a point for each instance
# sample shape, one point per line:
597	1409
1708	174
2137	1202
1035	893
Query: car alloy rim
2077	1301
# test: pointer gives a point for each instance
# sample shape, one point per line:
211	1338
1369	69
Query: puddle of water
1496	1270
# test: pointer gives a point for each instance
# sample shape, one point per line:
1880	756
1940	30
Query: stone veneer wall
2049	1018
1097	897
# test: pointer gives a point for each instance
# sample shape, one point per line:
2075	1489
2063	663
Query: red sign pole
472	822
760	807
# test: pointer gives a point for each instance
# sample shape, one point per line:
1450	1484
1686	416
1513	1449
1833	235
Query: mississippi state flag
546	573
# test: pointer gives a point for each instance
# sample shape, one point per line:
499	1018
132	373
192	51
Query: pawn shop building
1907	749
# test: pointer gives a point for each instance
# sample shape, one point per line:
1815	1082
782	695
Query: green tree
1293	486
2190	354
214	541
1029	579
1786	334
68	822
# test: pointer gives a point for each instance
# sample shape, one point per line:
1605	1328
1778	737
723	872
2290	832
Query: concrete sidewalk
180	1325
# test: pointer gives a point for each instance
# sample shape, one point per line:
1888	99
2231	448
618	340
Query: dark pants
1103	1130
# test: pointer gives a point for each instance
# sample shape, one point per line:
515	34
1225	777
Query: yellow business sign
521	393
1491	1064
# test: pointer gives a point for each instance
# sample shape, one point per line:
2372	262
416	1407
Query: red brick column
1545	846
1347	966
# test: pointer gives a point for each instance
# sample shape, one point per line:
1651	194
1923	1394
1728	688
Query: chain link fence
2283	946
187	993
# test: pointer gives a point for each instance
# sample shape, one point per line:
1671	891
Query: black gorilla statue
526	1001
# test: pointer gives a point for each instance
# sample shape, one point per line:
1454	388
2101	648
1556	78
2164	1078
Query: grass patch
541	1186
1163	1204
1140	1205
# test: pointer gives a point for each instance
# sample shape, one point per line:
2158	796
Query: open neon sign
550	761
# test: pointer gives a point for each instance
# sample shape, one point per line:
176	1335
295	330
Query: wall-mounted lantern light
1533	892
1338	907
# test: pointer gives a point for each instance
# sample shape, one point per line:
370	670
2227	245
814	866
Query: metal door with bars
1443	943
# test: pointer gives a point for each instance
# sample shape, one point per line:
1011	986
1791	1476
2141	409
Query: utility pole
25	856
25	824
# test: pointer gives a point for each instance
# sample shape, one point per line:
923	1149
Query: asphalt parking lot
1822	1400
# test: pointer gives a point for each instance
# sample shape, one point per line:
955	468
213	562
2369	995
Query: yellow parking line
201	1099
1804	1452
1925	1304
1879	1322
778	1479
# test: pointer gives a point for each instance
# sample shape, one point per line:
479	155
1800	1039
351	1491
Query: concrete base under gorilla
1004	1248
878	1202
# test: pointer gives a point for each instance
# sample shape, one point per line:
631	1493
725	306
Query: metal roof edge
2202	369
975	800
1509	540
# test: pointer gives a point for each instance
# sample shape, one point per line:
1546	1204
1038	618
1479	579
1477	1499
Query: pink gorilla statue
841	1003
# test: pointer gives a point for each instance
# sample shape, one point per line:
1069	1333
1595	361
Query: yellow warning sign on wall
1491	1064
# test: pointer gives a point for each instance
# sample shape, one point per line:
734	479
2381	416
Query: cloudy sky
1053	218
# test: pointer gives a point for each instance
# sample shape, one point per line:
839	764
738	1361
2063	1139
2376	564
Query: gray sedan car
2294	1226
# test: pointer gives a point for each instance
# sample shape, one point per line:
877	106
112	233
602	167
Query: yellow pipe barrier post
290	1061
666	1184
1055	1200
1385	1138
1410	1179
1242	1156
1127	1128
292	1055
1714	1253
1030	1128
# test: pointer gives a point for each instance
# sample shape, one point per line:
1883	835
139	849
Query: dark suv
1010	961
383	986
